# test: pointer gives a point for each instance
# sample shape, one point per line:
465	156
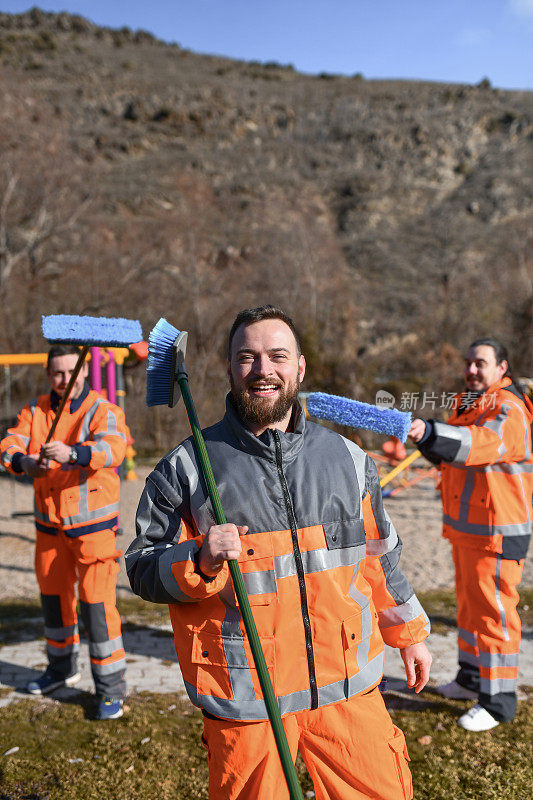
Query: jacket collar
483	401
75	404
265	445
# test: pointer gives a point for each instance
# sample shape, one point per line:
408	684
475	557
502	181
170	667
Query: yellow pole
401	466
6	359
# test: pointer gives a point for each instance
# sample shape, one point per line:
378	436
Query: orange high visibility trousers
488	626
91	561
352	751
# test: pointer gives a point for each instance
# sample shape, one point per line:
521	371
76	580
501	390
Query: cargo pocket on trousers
401	756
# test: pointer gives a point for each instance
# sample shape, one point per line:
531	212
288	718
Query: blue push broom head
355	414
165	364
93	331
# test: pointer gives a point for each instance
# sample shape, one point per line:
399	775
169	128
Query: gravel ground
416	513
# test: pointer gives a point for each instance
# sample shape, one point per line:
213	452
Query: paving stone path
152	664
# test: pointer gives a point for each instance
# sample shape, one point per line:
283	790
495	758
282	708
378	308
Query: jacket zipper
299	572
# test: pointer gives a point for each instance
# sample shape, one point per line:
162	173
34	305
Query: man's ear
85	369
301	369
503	366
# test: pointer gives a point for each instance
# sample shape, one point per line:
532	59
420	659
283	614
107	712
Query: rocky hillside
392	219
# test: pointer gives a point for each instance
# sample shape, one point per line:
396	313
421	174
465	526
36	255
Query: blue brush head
93	331
159	366
359	415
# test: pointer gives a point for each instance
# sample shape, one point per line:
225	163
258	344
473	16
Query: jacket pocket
401	757
225	667
344	533
256	563
356	630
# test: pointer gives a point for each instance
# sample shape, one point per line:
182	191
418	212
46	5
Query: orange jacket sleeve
402	620
17	439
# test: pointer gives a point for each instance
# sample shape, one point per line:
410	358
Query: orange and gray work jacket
484	452
319	562
77	498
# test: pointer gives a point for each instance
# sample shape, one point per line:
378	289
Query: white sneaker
477	719
454	691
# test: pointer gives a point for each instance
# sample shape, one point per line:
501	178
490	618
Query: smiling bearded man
319	559
265	369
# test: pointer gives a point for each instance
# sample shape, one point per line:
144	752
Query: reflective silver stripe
516	468
511	529
359	461
112	428
24	439
239	669
324	559
242	686
199	505
259	582
496	424
41	516
108	669
105	649
61	633
297	701
468	658
398	615
497	587
492	687
361	600
87	516
319	560
184	551
88	418
466	636
379	547
57	652
491	660
459	434
104	447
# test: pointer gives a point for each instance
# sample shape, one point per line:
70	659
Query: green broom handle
240	590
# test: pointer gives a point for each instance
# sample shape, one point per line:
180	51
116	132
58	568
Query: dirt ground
416	513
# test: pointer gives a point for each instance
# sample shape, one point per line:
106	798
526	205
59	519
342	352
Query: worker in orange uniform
484	453
77	494
307	517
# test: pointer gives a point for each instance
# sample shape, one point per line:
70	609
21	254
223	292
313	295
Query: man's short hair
61	350
250	315
500	351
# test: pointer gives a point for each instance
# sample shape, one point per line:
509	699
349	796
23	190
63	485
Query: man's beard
255	411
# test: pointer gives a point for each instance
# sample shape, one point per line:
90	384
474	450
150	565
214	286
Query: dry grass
155	750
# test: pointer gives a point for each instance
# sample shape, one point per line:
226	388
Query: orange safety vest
76	499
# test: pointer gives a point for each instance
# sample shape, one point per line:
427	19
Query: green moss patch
155	750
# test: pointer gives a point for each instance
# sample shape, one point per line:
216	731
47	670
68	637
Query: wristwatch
73	457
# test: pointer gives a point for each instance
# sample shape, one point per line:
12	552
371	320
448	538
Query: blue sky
444	40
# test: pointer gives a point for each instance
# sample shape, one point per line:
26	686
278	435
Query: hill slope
392	219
